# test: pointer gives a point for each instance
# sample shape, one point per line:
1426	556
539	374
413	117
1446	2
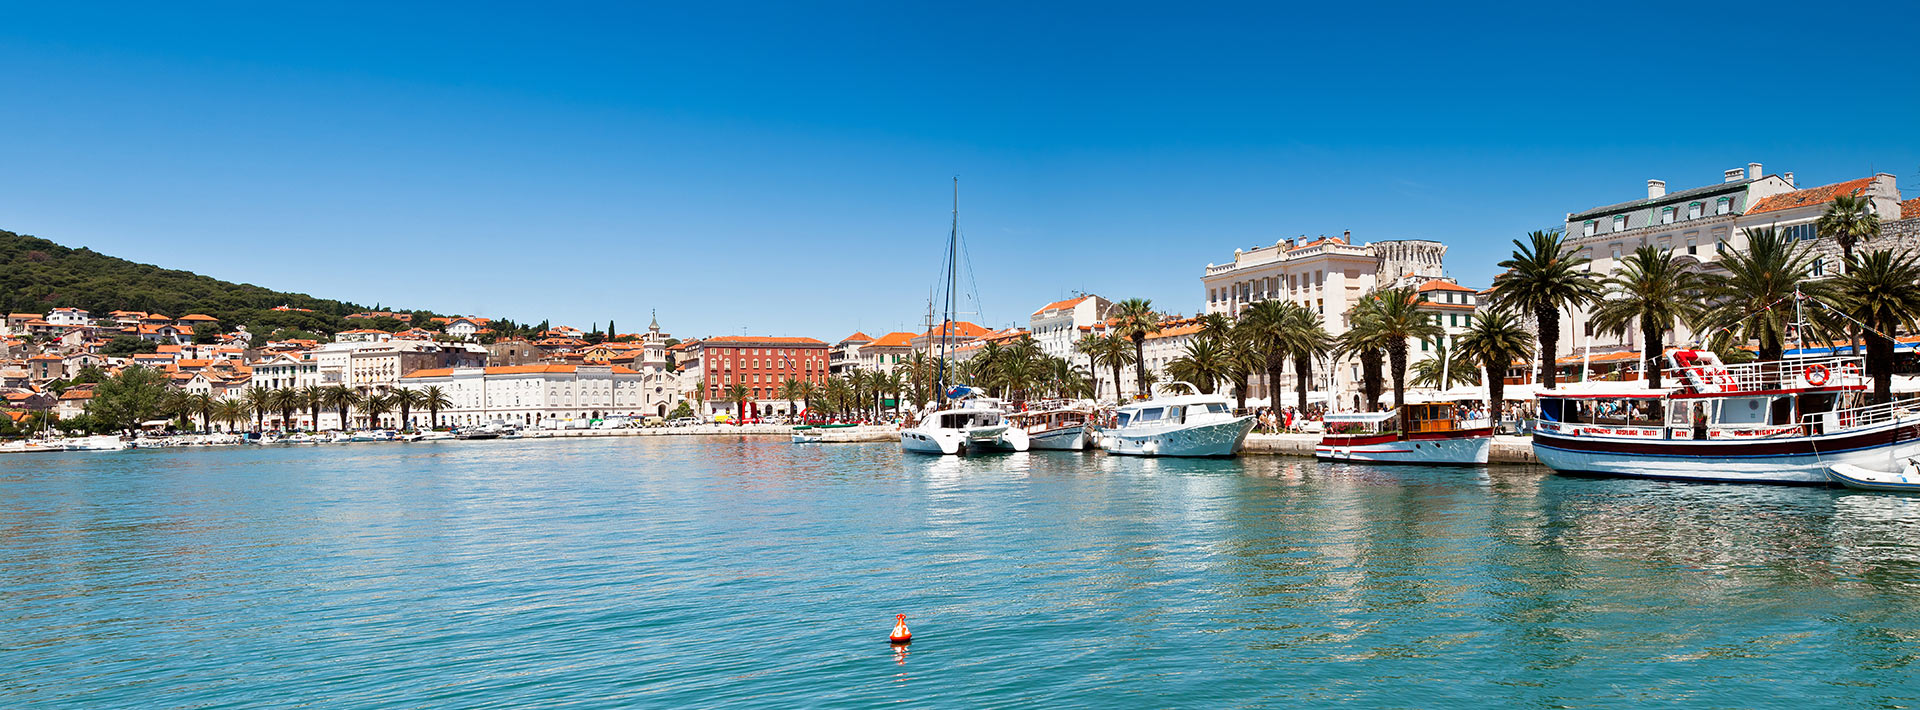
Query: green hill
37	275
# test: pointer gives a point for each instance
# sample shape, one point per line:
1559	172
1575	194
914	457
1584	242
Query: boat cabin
1788	398
1175	414
1050	419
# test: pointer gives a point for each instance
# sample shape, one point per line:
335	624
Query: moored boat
1438	433
1770	422
1177	425
970	423
1903	479
1062	428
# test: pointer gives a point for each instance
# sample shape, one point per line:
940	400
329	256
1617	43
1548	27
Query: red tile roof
898	339
759	340
1069	303
1438	285
1810	196
957	329
857	337
1910	209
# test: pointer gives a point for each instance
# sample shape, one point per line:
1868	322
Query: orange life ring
1818	374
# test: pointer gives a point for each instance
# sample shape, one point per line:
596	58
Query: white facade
1057	326
66	317
529	395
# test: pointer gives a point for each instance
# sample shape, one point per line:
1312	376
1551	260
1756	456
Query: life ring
1850	370
1818	374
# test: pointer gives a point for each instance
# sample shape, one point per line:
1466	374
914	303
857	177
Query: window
1666	215
1723	205
1691	249
1820	266
1588	230
1619	223
1801	232
1424	345
1693	210
1616	252
1665	245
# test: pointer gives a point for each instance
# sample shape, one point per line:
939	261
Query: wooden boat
1439	434
1055	428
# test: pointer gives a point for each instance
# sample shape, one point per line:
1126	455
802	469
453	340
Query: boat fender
1818	374
900	633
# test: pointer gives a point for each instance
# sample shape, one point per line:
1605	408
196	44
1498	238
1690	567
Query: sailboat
961	419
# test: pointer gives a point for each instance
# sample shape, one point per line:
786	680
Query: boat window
1551	409
1122	421
1177	414
1216	408
1149	415
1742	410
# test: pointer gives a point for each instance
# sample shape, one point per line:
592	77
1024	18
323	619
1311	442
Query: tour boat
970	423
1191	424
1906	478
1062	428
1785	421
1438	434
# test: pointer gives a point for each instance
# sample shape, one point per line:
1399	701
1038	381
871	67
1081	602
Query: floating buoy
900	633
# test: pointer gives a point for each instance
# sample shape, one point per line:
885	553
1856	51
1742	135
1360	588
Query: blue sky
785	170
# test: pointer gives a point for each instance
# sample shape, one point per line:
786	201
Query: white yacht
969	424
1191	424
1061	428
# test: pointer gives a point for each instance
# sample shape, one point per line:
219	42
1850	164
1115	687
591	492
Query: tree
203	404
1265	325
231	412
1446	362
125	345
376	406
1134	320
340	399
1365	342
1654	291
435	398
259	401
1849	220
313	397
1116	352
206	334
1495	340
1754	295
1089	345
1881	295
286	401
1543	276
1306	338
136	395
737	394
1398	320
405	399
1202	364
792	390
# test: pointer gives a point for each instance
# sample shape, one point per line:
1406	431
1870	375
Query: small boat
970	423
1178	425
815	433
437	436
1906	479
1439	435
1062	428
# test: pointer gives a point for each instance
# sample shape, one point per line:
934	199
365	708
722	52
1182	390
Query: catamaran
1437	433
1786	421
1192	424
969	423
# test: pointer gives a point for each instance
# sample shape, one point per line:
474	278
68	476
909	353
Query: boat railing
1862	416
1775	375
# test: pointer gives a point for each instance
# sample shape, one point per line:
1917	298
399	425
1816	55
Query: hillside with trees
37	275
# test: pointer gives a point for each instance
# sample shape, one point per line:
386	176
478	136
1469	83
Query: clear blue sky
786	171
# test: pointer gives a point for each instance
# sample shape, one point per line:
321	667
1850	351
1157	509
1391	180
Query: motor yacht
1192	424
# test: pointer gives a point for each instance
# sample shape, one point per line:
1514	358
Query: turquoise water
654	572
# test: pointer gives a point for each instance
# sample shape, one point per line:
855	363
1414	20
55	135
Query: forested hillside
36	275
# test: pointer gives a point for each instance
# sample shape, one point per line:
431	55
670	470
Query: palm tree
259	401
1850	220
1446	362
204	405
1202	363
1755	294
892	383
737	394
434	398
1881	294
286	401
1653	290
1115	352
1134	319
314	396
376	406
1265	325
792	390
406	399
1241	361
1495	339
1543	276
1398	320
341	398
1306	338
231	412
1089	345
1364	342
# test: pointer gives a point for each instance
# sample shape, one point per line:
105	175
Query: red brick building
760	363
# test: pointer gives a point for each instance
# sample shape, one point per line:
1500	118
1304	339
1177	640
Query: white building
529	395
68	317
1058	325
296	370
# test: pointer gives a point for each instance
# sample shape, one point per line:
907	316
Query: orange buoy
900	633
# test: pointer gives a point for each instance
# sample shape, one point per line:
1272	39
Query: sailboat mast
946	317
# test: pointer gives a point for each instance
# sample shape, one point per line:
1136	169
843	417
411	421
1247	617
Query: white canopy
1906	384
1606	388
1363	417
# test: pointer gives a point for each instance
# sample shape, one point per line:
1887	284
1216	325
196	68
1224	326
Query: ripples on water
684	572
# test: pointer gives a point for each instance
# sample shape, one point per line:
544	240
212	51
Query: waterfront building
844	356
529	395
760	363
1058	325
286	370
886	353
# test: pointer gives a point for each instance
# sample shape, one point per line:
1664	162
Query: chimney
1753	171
1734	175
1347	236
1789	178
1656	189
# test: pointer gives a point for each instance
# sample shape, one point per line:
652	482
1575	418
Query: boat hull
1791	460
1456	448
1853	476
1214	439
1061	439
950	442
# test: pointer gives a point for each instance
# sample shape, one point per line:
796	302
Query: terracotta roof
897	339
1318	242
73	394
857	337
1810	196
199	317
1069	303
957	329
1438	285
1176	328
363	330
1910	209
755	340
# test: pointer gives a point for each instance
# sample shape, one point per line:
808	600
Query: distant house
68	317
